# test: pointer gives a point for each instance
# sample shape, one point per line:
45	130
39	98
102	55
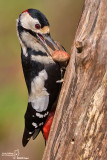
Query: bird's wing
27	135
29	130
36	133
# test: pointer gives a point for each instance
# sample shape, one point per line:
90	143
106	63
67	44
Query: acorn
60	56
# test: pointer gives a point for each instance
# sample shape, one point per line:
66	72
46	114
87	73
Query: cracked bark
79	129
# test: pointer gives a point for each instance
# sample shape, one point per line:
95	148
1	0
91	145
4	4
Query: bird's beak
48	43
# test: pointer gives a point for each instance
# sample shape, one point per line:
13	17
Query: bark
79	129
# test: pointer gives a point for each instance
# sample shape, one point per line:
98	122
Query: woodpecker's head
34	32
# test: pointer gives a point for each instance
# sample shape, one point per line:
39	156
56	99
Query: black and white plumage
40	71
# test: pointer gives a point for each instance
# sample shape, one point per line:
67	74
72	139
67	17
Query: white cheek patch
39	96
28	22
31	42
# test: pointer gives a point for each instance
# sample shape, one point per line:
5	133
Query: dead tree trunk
79	129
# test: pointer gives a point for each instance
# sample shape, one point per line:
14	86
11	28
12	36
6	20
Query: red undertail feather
47	125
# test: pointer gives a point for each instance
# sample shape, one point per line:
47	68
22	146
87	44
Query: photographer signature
15	155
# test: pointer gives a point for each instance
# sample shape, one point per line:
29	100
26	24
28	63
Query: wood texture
79	129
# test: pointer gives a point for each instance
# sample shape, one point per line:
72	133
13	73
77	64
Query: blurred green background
63	17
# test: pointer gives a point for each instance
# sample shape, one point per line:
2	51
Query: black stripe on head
40	16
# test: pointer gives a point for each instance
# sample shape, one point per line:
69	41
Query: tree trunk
79	129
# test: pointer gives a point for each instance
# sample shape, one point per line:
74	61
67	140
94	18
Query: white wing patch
39	96
42	115
35	125
40	104
39	115
46	114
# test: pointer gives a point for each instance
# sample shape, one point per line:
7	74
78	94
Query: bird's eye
37	26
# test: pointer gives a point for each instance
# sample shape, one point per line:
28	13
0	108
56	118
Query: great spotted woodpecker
42	74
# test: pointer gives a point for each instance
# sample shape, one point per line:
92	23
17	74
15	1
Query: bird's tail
27	135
